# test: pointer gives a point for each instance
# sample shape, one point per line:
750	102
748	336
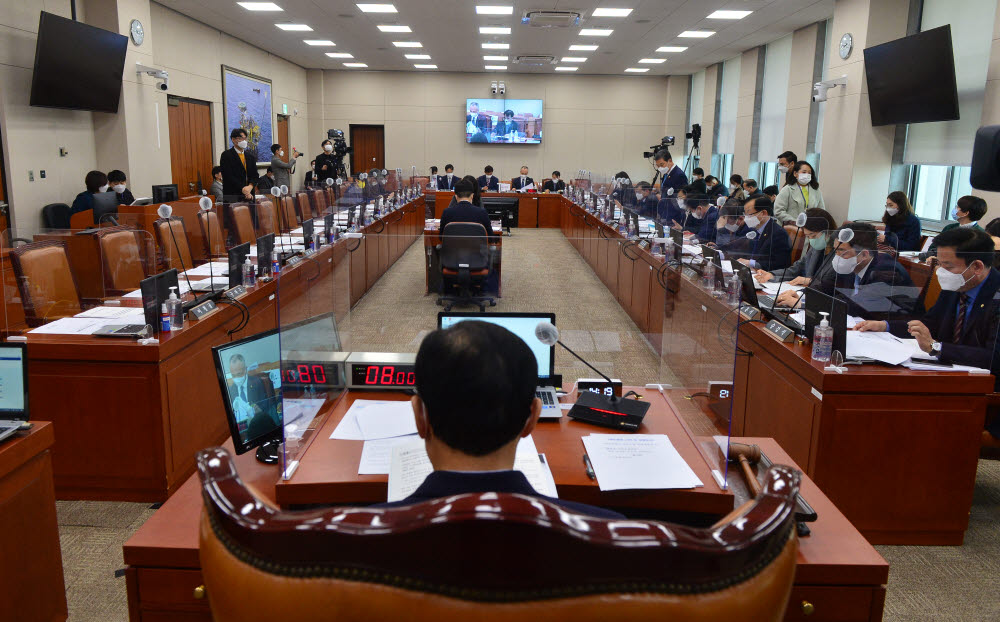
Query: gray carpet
543	272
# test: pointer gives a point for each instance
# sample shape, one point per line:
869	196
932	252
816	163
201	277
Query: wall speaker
986	159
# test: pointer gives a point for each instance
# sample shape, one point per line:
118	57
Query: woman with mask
736	188
967	212
793	199
96	181
902	227
326	164
819	233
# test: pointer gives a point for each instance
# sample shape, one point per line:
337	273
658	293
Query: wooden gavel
746	455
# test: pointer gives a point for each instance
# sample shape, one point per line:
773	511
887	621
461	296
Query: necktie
963	305
243	392
243	159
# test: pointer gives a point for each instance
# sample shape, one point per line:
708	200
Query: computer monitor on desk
165	193
521	324
105	208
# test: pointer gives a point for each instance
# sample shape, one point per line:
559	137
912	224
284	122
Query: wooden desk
31	572
432	259
837	570
534	209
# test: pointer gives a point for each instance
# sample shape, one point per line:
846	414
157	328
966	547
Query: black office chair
56	216
465	265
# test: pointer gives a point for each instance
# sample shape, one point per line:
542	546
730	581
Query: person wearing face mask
673	212
771	192
96	181
672	178
449	179
239	169
786	162
326	163
217	183
764	244
750	187
488	182
645	200
796	198
282	170
967	212
698	181
815	260
714	189
252	404
705	215
265	183
523	181
729	222
116	180
555	184
902	227
736	188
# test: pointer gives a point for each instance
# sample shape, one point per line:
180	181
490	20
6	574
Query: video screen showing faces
509	121
252	373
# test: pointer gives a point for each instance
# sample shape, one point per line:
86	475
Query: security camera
503	88
164	84
494	88
821	88
162	74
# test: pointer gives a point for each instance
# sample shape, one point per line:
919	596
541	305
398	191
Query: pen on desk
590	468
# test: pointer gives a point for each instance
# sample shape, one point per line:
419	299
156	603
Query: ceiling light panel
260	6
652	61
729	14
408	44
574	59
325	42
637	70
377	8
496	46
294	27
355	65
394	28
696	34
595	32
489	57
612	12
339	55
671	48
496	67
582	48
494	30
566	68
419	66
493	9
418	56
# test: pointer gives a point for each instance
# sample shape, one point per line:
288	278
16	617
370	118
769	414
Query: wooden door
369	147
282	135
191	157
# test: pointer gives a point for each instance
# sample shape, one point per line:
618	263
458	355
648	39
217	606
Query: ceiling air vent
551	19
529	59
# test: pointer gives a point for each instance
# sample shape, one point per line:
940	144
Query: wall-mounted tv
912	80
507	121
77	66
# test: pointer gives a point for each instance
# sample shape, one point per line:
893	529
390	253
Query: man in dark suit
464	210
763	243
672	178
489	182
480	120
449	179
239	169
251	402
523	181
555	184
505	127
962	325
117	181
475	401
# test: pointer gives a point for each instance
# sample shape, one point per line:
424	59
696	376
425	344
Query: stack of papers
216	268
368	420
91	320
883	347
113	313
638	461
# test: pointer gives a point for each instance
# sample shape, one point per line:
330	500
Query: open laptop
13	388
523	325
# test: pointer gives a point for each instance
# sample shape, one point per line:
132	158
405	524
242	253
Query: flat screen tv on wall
503	121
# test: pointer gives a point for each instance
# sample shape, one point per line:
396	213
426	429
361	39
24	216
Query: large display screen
521	324
510	121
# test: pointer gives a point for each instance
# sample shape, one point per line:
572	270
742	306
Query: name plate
203	310
292	261
310	252
749	312
779	331
236	292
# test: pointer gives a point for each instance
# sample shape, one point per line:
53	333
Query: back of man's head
477	381
968	244
465	189
865	236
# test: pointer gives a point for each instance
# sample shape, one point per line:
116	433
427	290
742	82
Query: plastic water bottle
822	339
249	274
708	276
275	264
175	309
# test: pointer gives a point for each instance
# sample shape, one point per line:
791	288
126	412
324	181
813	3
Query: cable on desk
244	312
358	245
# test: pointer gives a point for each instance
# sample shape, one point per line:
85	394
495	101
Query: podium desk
31	572
529	214
432	258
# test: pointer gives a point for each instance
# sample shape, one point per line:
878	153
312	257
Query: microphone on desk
800	222
205	206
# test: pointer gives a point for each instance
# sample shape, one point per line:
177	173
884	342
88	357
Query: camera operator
282	170
326	163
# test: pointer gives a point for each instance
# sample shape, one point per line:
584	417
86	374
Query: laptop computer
13	388
523	325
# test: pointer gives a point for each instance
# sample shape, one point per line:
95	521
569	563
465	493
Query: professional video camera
340	149
694	135
666	141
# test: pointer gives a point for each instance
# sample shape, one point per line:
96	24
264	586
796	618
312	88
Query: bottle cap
173	294
824	321
163	308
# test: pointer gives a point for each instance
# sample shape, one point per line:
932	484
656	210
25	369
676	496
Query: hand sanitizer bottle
175	310
822	339
275	265
249	274
164	319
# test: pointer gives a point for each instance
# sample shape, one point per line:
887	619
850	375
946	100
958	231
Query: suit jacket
770	248
217	190
675	179
667	211
464	211
558	186
905	237
234	176
259	400
807	265
502	128
265	183
883	269
706	232
978	343
448	483
126	198
791	202
933	247
282	171
482	121
443	182
330	162
516	182
491	183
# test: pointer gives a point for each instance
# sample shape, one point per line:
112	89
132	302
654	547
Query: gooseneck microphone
800	222
205	206
165	211
547	333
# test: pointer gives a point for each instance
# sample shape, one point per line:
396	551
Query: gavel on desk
746	455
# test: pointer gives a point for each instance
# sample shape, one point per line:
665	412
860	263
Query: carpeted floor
543	272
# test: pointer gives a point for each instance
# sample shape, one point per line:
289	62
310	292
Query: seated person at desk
902	227
698	181
670	210
714	189
217	183
117	180
433	178
967	211
703	215
522	182
750	187
96	182
252	404
762	243
464	209
645	200
555	184
819	231
687	199
266	182
505	127
729	222
488	182
477	197
962	325
448	180
475	400
771	192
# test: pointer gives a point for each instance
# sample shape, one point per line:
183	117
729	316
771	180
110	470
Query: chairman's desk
895	449
129	418
534	209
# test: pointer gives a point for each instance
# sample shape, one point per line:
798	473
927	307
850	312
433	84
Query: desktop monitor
249	372
265	247
105	207
155	291
14	381
521	324
165	193
237	257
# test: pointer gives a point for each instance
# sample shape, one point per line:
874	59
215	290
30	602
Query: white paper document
208	269
348	428
112	313
771	288
74	326
883	347
386	420
638	461
376	455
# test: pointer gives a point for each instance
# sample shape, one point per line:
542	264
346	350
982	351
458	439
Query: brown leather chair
317	197
932	288
173	255
331	195
302	206
211	232
267	218
289	218
799	243
45	282
242	224
123	259
489	557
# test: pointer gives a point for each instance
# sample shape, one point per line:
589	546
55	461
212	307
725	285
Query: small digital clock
372	370
600	386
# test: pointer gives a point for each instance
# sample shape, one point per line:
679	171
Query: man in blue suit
475	400
523	181
449	179
672	178
764	245
706	216
489	182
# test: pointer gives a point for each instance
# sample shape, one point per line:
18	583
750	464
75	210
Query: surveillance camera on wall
163	84
821	88
503	88
494	88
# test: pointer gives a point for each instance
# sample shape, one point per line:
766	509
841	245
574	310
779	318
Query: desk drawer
830	603
163	590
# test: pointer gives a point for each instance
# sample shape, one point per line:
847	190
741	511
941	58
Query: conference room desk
84	253
143	217
432	257
31	572
534	209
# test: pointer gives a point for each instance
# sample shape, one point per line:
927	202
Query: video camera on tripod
666	141
340	149
694	135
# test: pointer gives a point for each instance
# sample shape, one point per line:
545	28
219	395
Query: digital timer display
391	376
303	374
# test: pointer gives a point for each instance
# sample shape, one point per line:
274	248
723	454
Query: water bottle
164	319
708	275
822	339
275	264
249	274
175	310
733	290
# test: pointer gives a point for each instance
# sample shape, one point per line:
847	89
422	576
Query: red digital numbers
387	376
305	374
372	376
387	373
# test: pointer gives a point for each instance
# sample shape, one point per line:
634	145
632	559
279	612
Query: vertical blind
774	99
728	98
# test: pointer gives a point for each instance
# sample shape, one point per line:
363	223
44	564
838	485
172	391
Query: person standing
239	169
796	198
282	170
787	162
326	164
672	178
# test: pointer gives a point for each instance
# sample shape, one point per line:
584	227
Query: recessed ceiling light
652	61
408	44
260	6
326	42
339	55
418	56
729	14
503	58
496	67
391	28
301	27
582	48
494	30
377	8
696	34
566	68
574	59
496	46
355	65
637	70
595	32
418	66
493	9
671	48
611	12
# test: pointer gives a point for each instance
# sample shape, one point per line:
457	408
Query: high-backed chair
175	252
123	259
331	195
932	288
489	557
45	282
267	218
303	207
56	216
798	244
241	229
317	198
289	218
211	232
465	265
